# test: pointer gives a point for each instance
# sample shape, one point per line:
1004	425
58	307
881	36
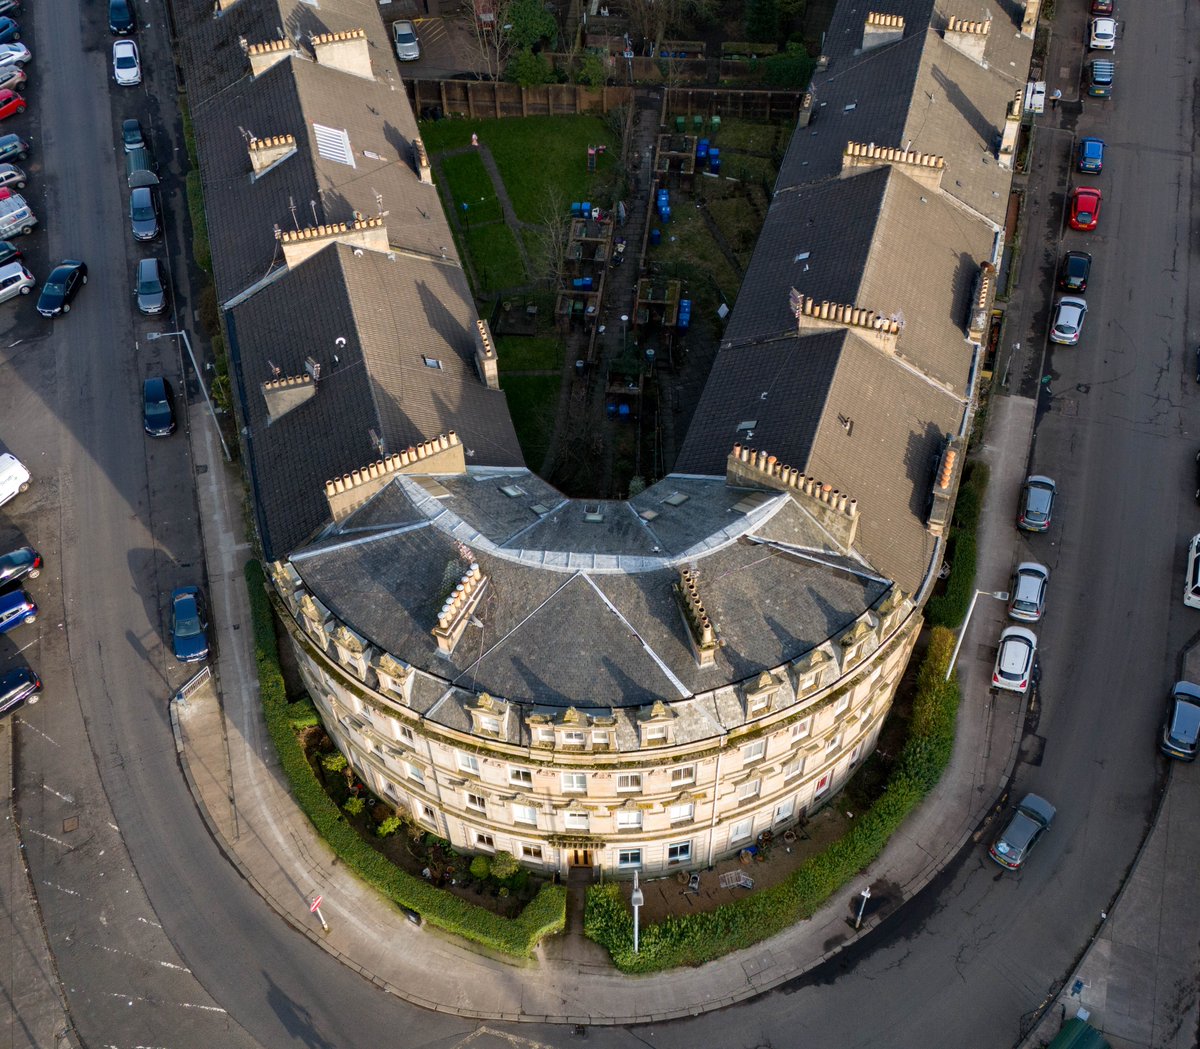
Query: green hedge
692	939
542	916
949	608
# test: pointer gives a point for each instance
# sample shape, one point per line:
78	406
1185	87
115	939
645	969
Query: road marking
136	957
48	739
131	998
48	837
63	797
61	888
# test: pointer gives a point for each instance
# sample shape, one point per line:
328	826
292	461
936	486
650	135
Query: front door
581	857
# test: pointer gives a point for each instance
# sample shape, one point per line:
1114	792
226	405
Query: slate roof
886	458
306	189
390	313
918	93
551	637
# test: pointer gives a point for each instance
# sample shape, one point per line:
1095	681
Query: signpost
315	907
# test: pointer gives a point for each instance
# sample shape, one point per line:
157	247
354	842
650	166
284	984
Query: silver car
1027	594
151	287
408	47
1031	820
1068	320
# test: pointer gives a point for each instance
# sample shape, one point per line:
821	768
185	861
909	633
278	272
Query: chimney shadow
920	465
987	131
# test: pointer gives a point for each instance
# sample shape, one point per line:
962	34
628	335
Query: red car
10	104
1085	208
1102	7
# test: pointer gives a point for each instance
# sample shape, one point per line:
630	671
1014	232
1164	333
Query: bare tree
552	235
491	45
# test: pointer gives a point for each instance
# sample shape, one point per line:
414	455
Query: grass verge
533	403
520	353
495	258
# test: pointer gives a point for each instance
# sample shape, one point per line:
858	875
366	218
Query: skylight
676	499
334	144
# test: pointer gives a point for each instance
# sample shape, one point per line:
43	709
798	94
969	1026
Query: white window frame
802	729
655	733
520	777
833	744
752	788
737	835
402	733
483	840
823	785
532	853
468	763
629	859
679	852
794	768
682	776
574	782
754	751
577	821
476	802
574	738
488	723
521	811
628	819
842	705
629	782
414	773
784	811
600	737
684	812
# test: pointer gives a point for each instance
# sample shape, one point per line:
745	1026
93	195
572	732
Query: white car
127	68
14	477
1068	320
1014	660
14	54
1191	582
1104	34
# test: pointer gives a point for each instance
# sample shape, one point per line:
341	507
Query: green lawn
689	252
471	184
495	257
533	403
533	154
748	134
521	353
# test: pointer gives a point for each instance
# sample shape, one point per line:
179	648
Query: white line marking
48	837
61	888
39	732
136	957
64	797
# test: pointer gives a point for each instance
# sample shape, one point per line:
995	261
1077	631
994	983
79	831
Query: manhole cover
70	823
201	468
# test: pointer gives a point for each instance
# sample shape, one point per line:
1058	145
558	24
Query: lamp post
624	321
151	336
999	595
637	899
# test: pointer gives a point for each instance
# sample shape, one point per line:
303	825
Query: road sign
316	905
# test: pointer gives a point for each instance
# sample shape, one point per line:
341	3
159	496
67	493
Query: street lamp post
151	336
637	899
999	595
624	321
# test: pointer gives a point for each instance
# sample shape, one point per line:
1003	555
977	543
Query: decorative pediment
762	691
347	639
285	578
492	706
571	716
659	711
858	633
312	610
386	663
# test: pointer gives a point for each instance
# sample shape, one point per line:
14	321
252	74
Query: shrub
529	69
591	71
388	827
355	805
195	198
543	916
481	868
692	939
335	762
504	865
949	608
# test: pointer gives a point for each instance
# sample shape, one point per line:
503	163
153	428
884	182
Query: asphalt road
157	940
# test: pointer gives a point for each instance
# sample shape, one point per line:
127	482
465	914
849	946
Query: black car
189	624
1074	272
9	252
151	287
13	147
158	407
23	562
143	213
132	136
8	7
121	19
61	287
17	688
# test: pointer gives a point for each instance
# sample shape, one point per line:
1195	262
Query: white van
15	280
1191	582
16	216
14	477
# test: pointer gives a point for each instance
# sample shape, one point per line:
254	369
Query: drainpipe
712	825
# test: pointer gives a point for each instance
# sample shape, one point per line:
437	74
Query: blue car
16	607
9	31
189	625
1091	156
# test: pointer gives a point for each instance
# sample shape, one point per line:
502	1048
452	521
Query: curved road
157	940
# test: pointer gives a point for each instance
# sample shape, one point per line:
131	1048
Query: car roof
1187	690
1040	479
150	264
1072	303
14	599
1039	806
1032	568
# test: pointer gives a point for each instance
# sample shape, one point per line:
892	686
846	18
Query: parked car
1191	581
151	287
14	54
15	280
1180	735
1074	270
18	687
14	477
9	31
12	77
11	104
1100	76
1027	593
1085	209
16	607
189	624
121	17
127	66
23	562
1103	35
143	213
13	147
1032	819
61	287
12	177
9	252
1090	157
132	136
158	407
1067	326
404	36
1037	504
1102	7
8	7
1015	659
1198	477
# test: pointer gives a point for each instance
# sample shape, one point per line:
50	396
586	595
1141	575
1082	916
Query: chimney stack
265	153
486	361
882	29
968	38
347	51
299	245
264	56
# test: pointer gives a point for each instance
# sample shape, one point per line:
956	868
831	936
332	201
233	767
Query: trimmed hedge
544	915
692	939
949	608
